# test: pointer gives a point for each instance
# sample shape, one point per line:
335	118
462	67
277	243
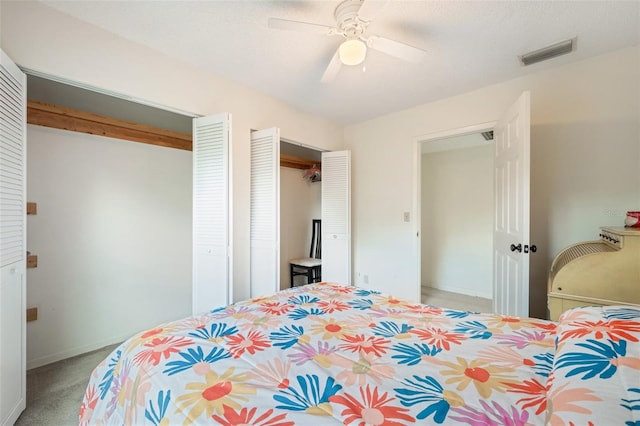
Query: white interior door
212	262
265	212
336	217
13	327
511	226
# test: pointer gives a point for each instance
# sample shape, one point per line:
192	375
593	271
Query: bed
327	354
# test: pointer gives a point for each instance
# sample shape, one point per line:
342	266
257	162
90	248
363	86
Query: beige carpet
55	391
445	299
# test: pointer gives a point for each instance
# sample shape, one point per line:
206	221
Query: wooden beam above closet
58	117
296	162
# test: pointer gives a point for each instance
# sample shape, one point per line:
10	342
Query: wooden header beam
58	117
297	162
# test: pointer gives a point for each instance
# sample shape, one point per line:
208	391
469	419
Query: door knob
517	248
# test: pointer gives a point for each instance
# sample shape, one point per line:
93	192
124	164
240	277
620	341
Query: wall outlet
407	216
365	279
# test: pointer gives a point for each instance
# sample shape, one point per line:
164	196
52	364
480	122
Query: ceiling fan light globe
352	52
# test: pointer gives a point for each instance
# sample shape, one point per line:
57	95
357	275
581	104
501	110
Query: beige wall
585	162
42	39
113	239
457	220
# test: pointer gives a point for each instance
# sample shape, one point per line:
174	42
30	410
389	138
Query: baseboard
48	359
15	412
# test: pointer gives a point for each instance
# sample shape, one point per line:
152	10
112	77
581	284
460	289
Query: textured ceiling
469	45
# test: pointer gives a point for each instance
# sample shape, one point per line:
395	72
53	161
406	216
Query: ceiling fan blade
285	24
332	69
396	49
370	9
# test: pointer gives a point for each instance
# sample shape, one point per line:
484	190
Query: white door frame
417	182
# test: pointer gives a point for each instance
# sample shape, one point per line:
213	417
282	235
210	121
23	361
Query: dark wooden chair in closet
310	266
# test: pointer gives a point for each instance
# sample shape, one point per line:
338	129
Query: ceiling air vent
557	49
488	136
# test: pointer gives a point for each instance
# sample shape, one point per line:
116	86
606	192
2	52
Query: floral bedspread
327	354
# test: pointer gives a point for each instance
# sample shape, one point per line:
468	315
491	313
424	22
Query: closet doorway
457	210
282	208
101	203
266	254
300	203
267	257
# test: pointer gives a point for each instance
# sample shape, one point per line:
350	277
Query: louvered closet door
13	326
265	212
211	213
336	217
12	164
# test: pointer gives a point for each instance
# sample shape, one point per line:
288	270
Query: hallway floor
446	299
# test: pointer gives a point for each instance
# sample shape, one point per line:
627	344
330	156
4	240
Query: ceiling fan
352	19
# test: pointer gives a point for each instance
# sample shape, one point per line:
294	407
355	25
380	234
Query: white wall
113	239
43	39
456	219
585	162
300	203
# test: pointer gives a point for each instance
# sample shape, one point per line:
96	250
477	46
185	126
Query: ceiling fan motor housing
349	22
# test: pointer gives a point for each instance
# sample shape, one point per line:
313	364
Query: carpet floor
462	302
55	391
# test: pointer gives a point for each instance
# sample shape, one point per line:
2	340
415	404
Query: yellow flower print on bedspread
212	395
330	328
485	377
